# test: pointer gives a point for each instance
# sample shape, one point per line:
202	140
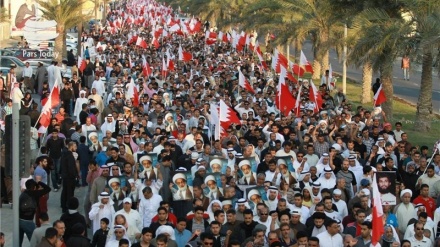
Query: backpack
28	205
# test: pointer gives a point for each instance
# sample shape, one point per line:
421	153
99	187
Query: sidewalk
54	211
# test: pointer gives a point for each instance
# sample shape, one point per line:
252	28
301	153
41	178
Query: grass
403	112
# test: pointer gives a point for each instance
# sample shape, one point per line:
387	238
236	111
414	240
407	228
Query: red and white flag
315	97
81	64
141	42
164	68
133	93
227	117
244	83
298	103
377	220
305	63
260	54
183	55
284	101
52	102
379	97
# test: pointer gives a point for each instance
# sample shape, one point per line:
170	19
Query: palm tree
427	21
384	36
4	15
67	14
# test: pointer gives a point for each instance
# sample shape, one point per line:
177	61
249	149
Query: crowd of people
136	127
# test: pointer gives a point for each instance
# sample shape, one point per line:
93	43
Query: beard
384	191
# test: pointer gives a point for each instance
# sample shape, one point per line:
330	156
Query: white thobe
404	214
326	240
96	214
133	218
148	209
342	207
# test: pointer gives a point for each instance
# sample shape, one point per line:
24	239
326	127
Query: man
40	174
27	75
55	146
429	178
354	228
313	242
285	238
182	234
148	205
162	214
131	215
147	236
39	232
231	220
364	240
404	210
244	230
329	209
219	238
297	206
67	97
102	209
197	222
69	173
317	227
405	67
426	200
349	177
419	239
99	184
61	229
340	204
40	76
50	238
28	204
214	191
72	217
385	188
331	237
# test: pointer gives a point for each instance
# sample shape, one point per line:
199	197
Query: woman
26	104
389	237
307	196
286	192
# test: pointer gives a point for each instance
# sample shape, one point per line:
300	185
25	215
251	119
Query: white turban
406	191
167	230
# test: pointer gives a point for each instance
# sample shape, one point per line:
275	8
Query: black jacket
99	238
70	220
35	195
68	166
78	241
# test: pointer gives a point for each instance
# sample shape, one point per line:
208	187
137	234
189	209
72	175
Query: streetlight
344	61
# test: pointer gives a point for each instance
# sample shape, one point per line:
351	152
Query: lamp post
344	61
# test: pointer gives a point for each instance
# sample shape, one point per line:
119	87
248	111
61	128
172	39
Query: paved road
407	90
54	211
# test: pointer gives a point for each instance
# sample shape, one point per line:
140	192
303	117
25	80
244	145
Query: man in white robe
98	103
148	206
108	125
404	211
103	208
78	104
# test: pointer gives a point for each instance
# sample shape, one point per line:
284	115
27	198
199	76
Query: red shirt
171	218
429	204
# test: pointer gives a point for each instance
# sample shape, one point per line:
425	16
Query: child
100	236
124	243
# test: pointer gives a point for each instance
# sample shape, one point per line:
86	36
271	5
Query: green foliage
67	13
4	15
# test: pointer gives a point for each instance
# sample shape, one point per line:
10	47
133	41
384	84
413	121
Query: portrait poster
255	195
214	188
92	137
182	188
217	164
147	168
116	183
386	183
287	160
247	171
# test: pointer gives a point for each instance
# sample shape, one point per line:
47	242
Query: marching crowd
138	125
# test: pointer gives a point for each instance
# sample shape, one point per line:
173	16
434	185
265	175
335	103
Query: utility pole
344	61
15	171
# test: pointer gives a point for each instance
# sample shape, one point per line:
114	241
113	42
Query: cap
366	191
230	150
201	168
127	200
337	192
365	182
194	155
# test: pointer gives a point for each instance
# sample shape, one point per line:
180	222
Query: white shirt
326	240
425	242
27	71
278	135
96	214
133	218
303	210
342	207
148	209
100	87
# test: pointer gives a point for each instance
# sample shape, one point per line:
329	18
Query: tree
4	15
67	14
424	15
384	37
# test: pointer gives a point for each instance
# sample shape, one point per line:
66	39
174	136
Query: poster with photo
153	156
214	188
246	172
116	183
386	183
217	164
146	169
255	195
92	138
182	188
287	160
